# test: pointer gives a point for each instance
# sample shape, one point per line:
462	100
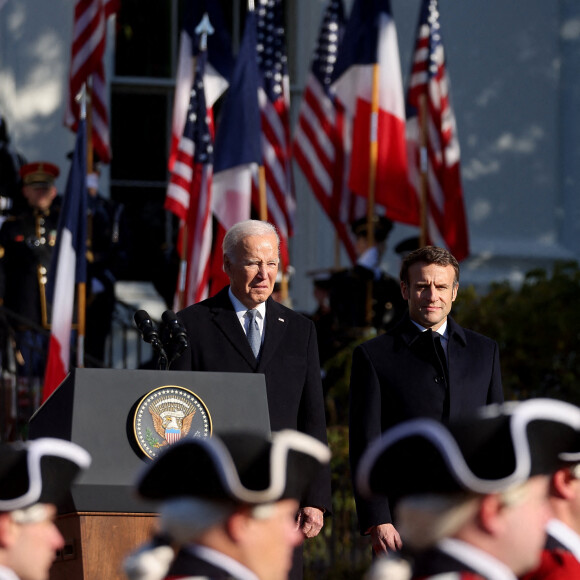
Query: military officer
26	246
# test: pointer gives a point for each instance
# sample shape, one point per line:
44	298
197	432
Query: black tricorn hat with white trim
38	471
500	447
247	468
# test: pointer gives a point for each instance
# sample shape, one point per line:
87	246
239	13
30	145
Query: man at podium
242	329
34	478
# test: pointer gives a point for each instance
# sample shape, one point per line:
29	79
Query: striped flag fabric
88	49
68	266
189	195
238	153
274	99
320	145
218	68
368	59
446	220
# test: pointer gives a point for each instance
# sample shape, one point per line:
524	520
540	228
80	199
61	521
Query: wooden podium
103	519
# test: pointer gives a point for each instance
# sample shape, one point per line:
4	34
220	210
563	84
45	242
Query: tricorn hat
38	471
247	468
499	447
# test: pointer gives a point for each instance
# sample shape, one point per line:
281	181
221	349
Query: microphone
177	333
150	335
146	328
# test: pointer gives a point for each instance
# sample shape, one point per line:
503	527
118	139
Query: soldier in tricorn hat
229	504
35	477
471	498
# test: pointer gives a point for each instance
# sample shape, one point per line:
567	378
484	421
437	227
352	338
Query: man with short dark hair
34	478
427	366
231	511
471	498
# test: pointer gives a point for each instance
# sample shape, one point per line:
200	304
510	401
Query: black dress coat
400	375
288	359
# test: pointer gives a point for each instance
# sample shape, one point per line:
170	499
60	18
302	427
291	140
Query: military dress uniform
27	244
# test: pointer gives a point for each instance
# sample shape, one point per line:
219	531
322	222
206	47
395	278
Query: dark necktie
254	332
441	354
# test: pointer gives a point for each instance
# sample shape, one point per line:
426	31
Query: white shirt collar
476	559
7	574
442	330
220	560
241	311
565	535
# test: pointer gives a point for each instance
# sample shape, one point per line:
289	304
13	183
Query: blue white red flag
446	221
369	45
68	266
218	68
274	98
190	190
238	152
320	142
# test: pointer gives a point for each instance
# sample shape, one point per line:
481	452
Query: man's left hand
310	521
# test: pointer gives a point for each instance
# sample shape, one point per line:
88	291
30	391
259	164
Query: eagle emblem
168	414
172	418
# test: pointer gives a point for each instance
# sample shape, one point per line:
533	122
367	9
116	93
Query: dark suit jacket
288	359
399	376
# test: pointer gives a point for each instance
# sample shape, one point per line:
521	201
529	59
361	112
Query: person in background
471	498
426	366
349	289
107	257
231	512
11	201
26	246
561	555
35	477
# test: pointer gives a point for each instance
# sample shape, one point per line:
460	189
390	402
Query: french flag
238	152
68	267
367	74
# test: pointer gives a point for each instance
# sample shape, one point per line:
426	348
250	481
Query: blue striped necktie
254	337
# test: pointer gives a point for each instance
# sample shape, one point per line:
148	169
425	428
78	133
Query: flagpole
424	167
85	113
373	157
182	267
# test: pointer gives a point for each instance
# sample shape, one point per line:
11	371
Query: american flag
274	100
446	222
189	195
88	48
320	146
219	65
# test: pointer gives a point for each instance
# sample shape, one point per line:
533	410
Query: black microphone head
169	317
141	317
